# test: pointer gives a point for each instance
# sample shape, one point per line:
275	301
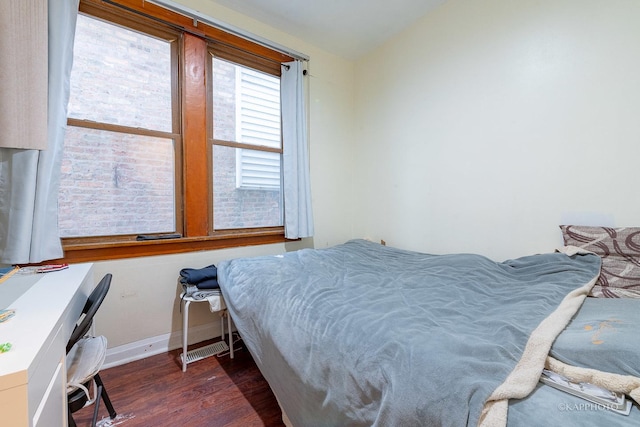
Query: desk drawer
47	381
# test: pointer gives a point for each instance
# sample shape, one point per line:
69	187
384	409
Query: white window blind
258	123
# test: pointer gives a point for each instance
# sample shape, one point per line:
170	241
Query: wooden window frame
233	55
194	214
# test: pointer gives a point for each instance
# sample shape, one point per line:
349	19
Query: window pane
247	183
114	183
120	77
246	105
258	169
241	207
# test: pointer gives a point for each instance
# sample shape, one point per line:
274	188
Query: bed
362	334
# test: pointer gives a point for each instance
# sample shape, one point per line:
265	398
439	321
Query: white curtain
29	179
23	81
298	216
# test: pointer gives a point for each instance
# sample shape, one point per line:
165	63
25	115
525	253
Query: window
119	162
246	113
172	128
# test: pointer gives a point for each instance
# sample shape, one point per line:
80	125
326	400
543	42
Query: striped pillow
619	249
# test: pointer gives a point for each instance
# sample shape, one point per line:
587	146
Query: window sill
85	251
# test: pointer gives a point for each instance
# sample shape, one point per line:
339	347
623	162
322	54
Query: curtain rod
199	17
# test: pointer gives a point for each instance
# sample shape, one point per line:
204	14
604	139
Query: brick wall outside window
114	183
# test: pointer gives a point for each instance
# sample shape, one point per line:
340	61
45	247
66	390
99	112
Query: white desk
32	373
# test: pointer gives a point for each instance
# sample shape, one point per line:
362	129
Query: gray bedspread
362	334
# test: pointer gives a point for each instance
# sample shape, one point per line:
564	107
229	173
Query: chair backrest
89	310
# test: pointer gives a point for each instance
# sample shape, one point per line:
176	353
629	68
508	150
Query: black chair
85	356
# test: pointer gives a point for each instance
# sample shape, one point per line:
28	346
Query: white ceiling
349	28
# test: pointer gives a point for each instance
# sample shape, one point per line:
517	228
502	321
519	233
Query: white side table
207	350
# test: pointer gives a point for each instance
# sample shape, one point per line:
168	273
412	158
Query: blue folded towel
203	278
208	284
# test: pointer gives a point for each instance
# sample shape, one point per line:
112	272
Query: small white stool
207	350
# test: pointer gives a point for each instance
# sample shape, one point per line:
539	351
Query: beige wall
480	129
489	123
143	301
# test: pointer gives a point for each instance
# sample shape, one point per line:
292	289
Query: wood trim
86	252
176	120
197	190
238	56
90	124
200	29
245	146
114	14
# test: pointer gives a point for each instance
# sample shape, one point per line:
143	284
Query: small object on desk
6	314
4	347
51	267
7	272
37	269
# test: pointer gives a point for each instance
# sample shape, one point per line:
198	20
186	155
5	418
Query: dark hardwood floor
216	391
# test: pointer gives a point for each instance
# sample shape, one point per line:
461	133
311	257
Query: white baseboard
159	344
